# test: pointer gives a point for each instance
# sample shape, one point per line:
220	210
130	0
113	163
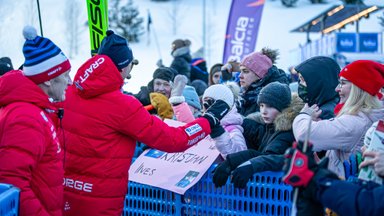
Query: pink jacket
231	141
340	136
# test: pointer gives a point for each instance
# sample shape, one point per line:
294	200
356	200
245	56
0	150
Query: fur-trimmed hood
284	120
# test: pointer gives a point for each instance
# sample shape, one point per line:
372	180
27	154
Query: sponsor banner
369	42
346	42
242	29
176	172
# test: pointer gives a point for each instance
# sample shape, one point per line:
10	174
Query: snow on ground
274	32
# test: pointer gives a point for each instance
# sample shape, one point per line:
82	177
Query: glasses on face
343	82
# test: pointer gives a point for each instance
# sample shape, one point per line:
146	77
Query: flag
242	29
149	21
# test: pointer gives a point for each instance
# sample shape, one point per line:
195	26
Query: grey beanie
276	95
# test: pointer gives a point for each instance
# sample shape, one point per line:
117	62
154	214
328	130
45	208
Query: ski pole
305	145
41	25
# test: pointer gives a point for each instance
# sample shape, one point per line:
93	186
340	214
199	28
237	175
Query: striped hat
43	59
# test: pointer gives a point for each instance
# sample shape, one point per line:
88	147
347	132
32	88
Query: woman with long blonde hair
359	90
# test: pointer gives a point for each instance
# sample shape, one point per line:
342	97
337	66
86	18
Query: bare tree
73	22
31	13
176	15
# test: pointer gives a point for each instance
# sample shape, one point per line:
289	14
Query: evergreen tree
125	20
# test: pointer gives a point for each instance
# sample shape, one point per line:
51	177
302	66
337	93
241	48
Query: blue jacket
351	199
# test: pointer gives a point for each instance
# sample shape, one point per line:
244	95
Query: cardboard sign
376	144
176	172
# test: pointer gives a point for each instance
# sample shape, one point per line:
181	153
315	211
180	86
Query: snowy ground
274	32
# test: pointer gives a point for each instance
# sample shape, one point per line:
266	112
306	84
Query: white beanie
220	92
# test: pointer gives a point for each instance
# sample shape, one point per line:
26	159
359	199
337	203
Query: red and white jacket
30	153
101	127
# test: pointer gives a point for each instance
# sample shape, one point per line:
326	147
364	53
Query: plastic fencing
266	194
9	200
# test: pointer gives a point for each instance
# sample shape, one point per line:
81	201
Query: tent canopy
336	17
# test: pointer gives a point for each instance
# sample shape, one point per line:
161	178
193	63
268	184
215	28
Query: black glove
242	174
216	112
221	174
226	75
217	131
223	170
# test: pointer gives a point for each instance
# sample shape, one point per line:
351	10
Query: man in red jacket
102	126
30	153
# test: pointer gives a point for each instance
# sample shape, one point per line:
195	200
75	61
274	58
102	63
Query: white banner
176	172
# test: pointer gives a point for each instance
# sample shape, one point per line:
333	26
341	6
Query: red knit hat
367	75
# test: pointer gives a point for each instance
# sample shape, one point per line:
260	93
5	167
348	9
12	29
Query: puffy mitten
178	86
216	112
351	166
161	104
242	174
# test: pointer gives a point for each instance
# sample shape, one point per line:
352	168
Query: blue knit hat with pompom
43	59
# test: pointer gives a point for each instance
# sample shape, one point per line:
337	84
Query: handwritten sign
176	172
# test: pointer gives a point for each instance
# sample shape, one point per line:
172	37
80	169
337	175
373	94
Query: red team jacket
30	153
101	127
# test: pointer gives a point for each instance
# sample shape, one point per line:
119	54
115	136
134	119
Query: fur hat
220	92
5	65
191	97
164	73
365	74
178	43
276	95
258	63
43	59
116	47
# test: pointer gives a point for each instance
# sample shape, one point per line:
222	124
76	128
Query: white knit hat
220	92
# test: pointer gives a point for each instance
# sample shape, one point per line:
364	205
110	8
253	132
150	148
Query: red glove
299	167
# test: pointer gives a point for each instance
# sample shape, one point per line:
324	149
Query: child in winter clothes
266	132
231	139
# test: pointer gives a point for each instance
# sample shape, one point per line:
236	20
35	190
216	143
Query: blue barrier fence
264	195
9	200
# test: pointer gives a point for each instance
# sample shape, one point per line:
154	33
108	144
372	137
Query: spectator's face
162	86
247	77
268	113
302	81
344	89
216	77
58	86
